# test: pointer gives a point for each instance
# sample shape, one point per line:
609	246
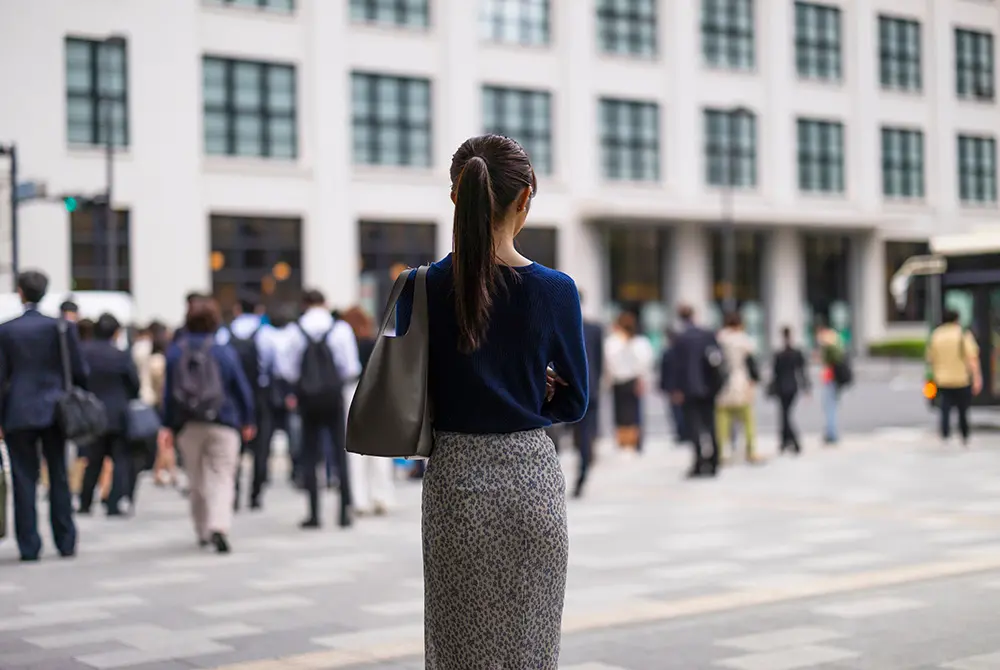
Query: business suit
689	379
31	385
115	381
788	378
588	427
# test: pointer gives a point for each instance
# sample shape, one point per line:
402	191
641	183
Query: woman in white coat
372	487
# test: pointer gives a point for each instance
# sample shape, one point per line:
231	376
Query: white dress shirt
244	326
316	322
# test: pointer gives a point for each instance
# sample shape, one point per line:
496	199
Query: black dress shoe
255	504
29	559
309	524
221	543
345	521
67	554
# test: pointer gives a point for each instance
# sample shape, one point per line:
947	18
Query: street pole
728	225
12	151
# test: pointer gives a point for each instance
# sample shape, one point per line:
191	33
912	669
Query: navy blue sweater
500	388
238	409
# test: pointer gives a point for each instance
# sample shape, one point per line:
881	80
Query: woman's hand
552	381
165	440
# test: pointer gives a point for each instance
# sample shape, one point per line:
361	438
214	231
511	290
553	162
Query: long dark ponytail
487	175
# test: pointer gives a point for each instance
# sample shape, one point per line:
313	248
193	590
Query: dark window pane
627	27
96	92
391	120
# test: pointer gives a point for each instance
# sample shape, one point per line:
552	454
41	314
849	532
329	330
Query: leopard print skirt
495	552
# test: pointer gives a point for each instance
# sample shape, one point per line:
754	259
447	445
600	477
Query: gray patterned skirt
495	552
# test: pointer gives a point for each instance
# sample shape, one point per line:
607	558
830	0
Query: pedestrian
587	430
953	355
208	407
32	382
789	377
372	488
115	381
494	497
735	403
256	348
282	398
696	381
832	356
319	358
69	310
630	360
668	363
151	361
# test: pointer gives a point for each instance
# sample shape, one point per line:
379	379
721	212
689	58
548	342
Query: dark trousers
313	429
586	433
676	413
25	465
111	446
699	420
789	435
960	399
259	449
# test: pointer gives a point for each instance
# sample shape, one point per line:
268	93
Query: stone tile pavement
882	554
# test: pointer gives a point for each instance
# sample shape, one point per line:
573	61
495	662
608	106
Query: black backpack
197	383
715	368
320	387
246	349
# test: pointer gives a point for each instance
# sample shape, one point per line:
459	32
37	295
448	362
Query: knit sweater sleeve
568	354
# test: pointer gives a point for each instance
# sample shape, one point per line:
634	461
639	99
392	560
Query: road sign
31	190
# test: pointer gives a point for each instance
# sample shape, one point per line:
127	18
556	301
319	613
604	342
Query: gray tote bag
390	415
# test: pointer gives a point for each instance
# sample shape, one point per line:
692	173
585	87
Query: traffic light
71	204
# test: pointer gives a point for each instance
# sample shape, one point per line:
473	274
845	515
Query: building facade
263	145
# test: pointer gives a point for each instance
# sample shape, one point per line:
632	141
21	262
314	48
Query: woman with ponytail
507	360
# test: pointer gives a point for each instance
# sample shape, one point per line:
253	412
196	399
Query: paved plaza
882	554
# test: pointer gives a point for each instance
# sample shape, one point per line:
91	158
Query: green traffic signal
71	204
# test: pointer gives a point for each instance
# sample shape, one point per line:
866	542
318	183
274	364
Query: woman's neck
508	254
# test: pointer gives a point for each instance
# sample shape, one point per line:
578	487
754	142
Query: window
256	258
410	13
282	6
388	248
392	120
96	85
249	109
896	253
630	140
730	148
817	41
635	259
748	275
727	35
627	27
899	54
91	247
821	156
540	244
525	116
977	169
974	65
516	21
902	163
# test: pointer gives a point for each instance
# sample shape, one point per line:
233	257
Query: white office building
264	145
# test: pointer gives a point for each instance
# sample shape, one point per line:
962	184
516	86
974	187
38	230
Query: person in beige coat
735	401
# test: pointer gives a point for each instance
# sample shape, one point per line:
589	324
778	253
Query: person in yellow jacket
953	355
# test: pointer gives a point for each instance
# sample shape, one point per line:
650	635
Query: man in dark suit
31	385
690	387
115	381
587	429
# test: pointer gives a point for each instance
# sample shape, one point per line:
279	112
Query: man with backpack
256	346
319	357
696	378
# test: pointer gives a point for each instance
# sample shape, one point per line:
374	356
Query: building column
785	284
583	256
867	290
690	269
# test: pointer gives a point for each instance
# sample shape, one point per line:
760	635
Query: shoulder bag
390	415
79	414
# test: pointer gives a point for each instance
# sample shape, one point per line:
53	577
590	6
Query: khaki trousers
210	453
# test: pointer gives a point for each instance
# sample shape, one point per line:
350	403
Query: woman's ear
522	200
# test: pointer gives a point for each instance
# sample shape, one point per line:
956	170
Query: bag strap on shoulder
63	329
419	295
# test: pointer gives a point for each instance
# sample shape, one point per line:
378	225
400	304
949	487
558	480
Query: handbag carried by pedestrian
142	422
390	415
80	414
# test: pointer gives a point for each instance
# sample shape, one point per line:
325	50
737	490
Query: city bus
962	273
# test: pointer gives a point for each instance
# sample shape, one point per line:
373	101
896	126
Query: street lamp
11	150
733	116
107	103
